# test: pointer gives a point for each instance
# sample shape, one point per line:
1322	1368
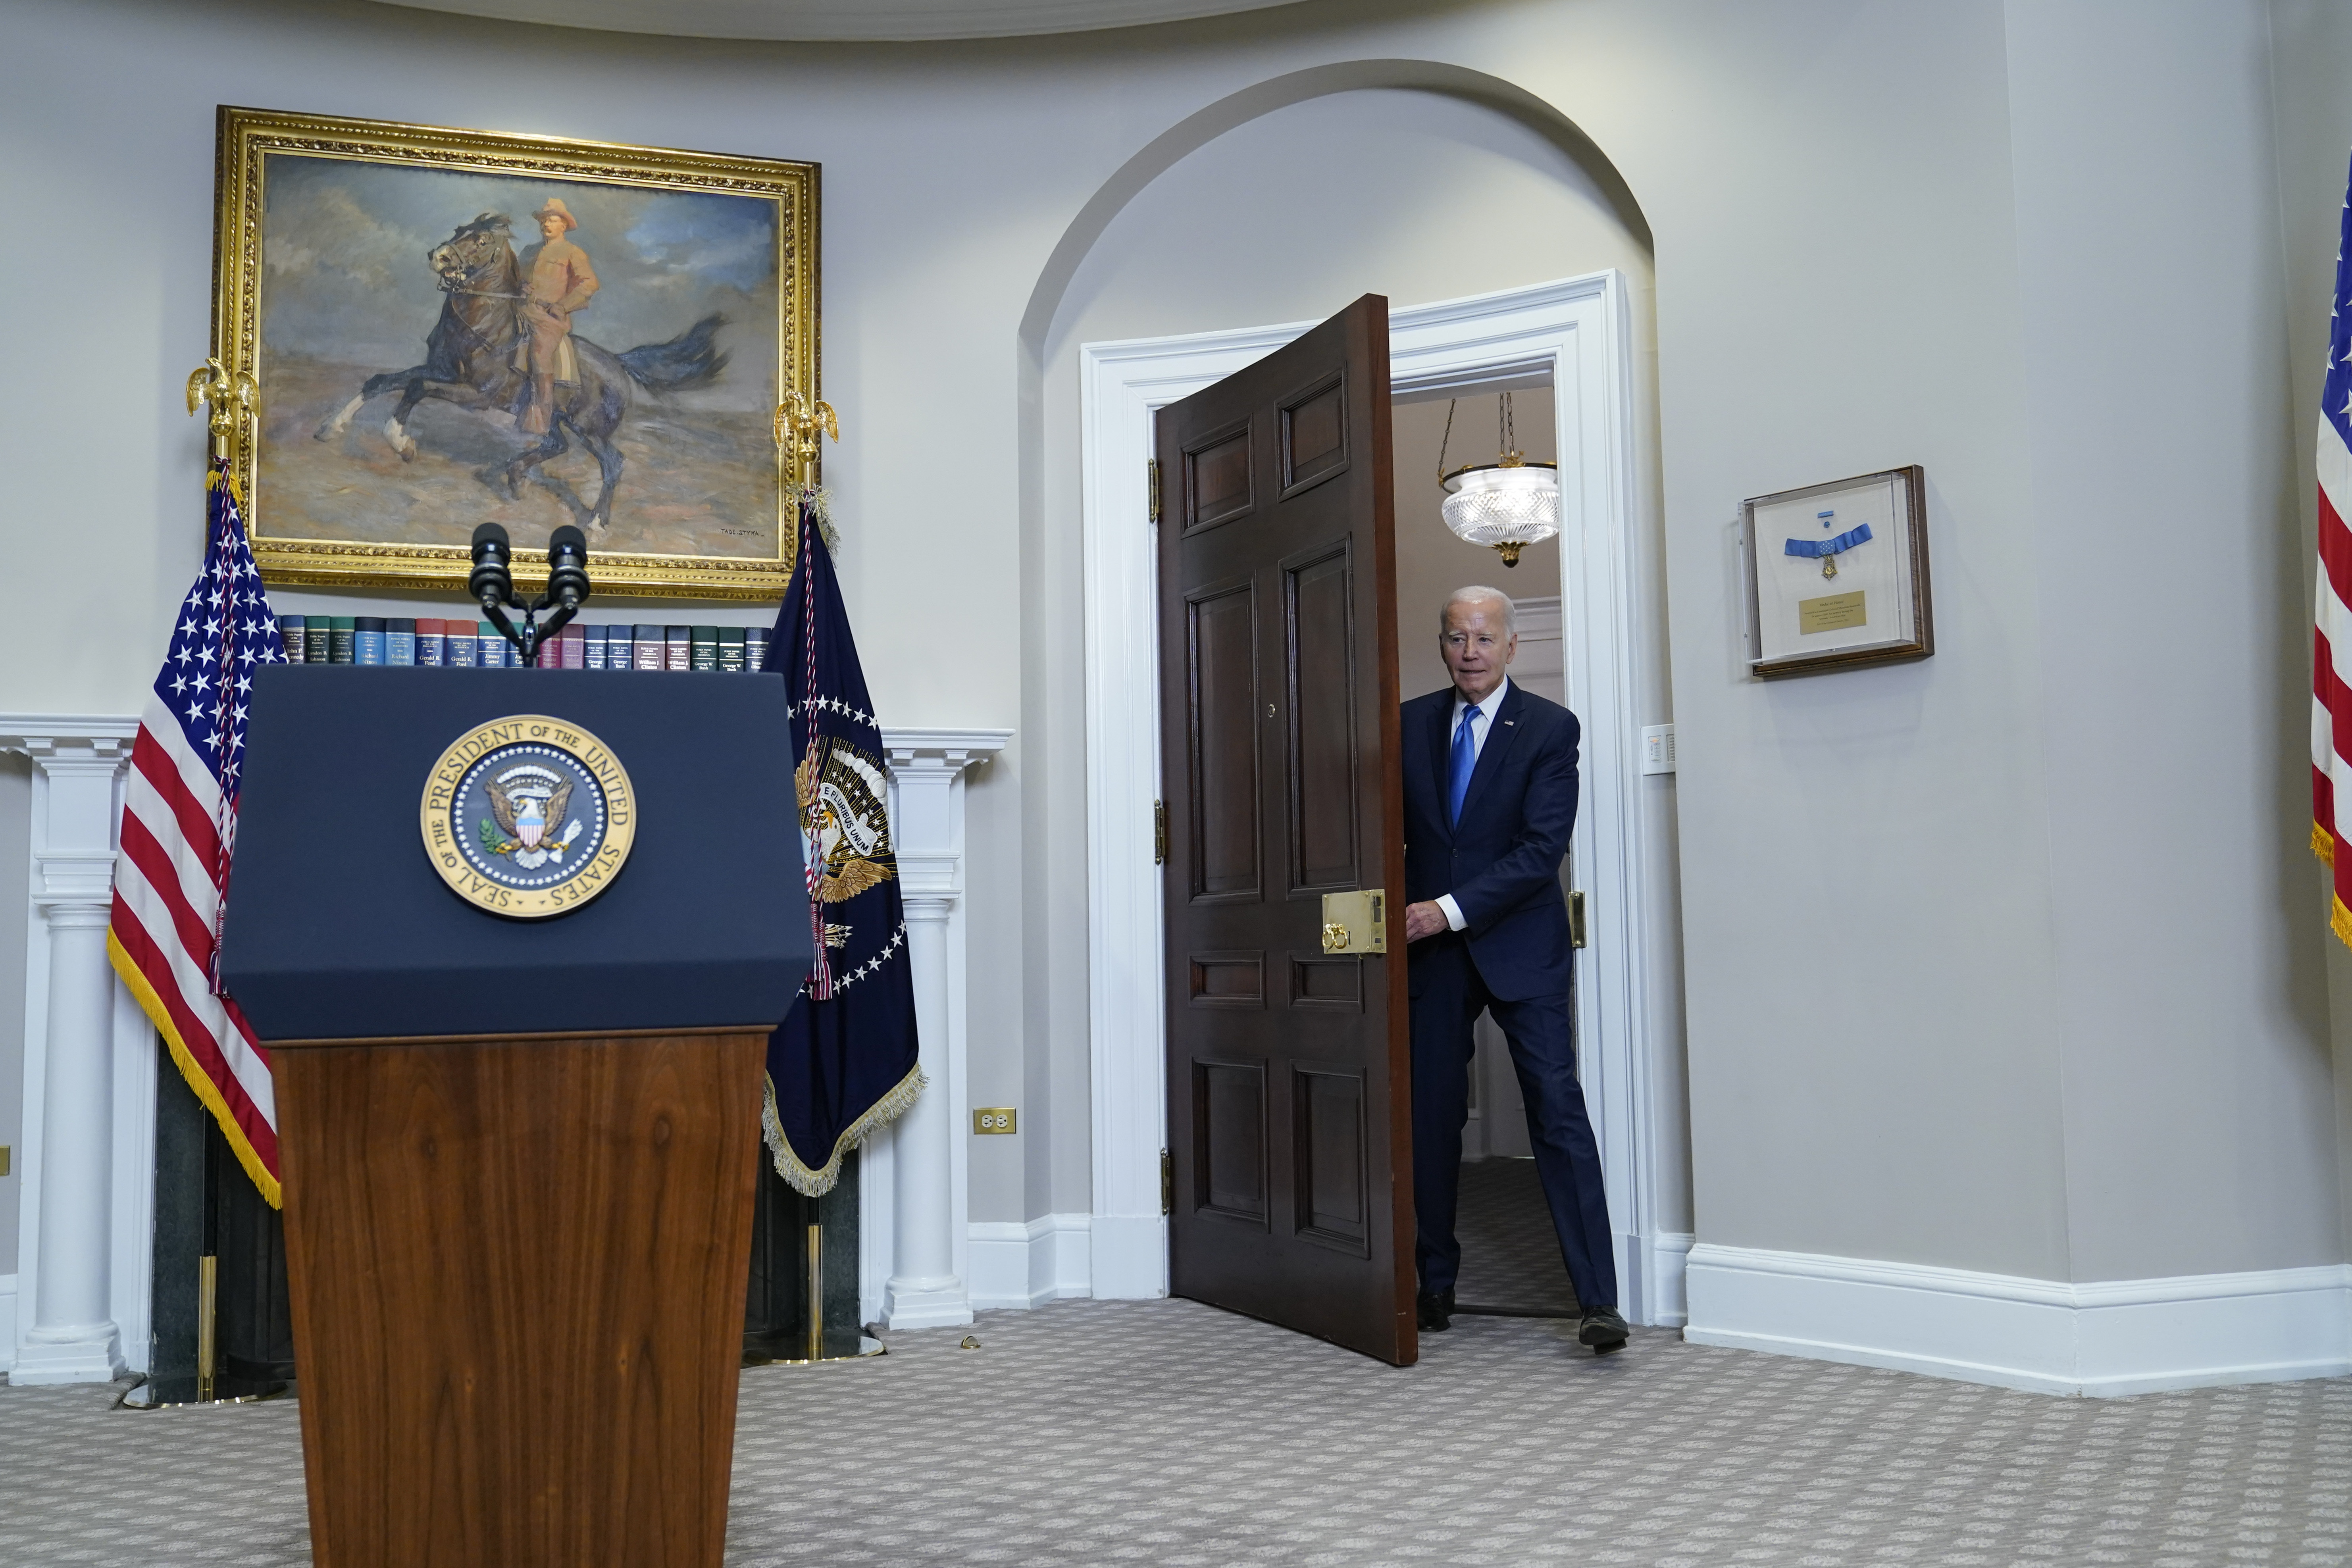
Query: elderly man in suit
1489	802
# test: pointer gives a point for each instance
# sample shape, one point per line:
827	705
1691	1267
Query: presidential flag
179	832
844	1061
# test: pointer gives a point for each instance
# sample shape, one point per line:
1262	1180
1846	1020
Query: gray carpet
1166	1432
1510	1254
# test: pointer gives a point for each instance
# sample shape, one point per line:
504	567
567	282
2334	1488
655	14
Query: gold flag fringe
2323	843
817	1183
205	1088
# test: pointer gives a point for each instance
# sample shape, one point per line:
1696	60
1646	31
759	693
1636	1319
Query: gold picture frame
358	254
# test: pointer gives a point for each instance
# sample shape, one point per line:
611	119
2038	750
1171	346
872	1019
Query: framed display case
1837	574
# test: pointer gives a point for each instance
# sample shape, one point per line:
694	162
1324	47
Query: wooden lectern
519	1154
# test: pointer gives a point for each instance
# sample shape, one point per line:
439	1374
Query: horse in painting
469	360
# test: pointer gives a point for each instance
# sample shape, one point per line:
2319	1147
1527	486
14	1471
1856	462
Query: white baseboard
1017	1263
7	1321
1130	1258
1669	1303
2105	1339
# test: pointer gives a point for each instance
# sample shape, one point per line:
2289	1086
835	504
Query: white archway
1577	332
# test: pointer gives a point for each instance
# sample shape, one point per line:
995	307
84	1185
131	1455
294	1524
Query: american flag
179	830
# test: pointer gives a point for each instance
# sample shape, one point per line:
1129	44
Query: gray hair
1474	592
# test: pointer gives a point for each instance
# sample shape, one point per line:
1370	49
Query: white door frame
1578	332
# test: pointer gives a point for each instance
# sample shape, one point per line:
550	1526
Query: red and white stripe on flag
179	829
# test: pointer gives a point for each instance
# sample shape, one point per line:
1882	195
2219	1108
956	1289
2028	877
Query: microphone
567	566
492	584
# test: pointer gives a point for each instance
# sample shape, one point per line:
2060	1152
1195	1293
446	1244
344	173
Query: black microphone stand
492	585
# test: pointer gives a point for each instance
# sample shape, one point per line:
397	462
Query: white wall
2191	1006
1927	1016
2311	59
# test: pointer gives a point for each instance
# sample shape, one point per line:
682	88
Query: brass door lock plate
994	1119
1356	922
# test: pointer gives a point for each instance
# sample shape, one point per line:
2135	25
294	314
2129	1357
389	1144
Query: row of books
478	645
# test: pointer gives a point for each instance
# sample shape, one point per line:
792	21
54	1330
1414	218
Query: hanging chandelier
1509	503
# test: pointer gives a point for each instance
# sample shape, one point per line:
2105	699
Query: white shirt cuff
1453	912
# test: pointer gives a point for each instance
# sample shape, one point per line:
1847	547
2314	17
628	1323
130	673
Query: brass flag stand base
814	1351
207	1386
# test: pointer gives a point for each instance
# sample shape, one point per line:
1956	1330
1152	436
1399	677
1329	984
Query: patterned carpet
1510	1254
1168	1433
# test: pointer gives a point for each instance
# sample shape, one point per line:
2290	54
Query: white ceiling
846	20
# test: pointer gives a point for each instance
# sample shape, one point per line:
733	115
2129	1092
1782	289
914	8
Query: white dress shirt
1479	727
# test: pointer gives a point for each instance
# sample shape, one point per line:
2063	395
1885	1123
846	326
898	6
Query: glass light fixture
1509	503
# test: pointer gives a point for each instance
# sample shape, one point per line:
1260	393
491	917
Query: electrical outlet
994	1119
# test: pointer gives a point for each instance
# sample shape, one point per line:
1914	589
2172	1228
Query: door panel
1319	618
1289	1113
1231	1140
1217	479
1314	436
1221	650
1334	1204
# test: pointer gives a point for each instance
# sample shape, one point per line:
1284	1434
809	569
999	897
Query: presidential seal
527	816
845	823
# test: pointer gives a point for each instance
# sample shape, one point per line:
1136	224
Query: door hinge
1159	833
1153	488
1576	918
1166	1182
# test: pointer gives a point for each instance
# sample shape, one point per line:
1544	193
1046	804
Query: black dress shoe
1603	1329
1434	1311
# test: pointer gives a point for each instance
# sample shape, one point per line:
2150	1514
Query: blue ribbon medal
1827	550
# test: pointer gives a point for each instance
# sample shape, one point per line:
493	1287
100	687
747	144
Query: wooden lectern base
518	1269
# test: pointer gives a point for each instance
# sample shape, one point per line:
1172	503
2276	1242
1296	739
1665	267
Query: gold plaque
528	816
1832	612
1356	922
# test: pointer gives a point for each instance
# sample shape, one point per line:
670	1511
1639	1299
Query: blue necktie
1458	772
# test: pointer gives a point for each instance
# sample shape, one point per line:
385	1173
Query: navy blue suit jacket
1501	861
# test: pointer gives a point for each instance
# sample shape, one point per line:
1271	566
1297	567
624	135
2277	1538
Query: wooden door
1288	1084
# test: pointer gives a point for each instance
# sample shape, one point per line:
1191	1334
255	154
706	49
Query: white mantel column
927	1286
67	1328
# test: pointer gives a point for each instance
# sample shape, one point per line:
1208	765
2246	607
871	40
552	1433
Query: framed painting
1837	574
454	327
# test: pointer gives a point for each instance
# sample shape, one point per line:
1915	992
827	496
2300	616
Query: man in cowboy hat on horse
559	282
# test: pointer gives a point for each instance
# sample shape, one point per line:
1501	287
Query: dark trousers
1543	1050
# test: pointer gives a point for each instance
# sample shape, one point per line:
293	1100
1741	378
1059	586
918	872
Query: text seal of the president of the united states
528	816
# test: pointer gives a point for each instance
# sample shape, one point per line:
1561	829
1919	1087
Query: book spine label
490	649
755	647
461	648
314	640
400	648
289	630
730	649
574	649
429	643
341	639
367	640
652	647
593	640
677	648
